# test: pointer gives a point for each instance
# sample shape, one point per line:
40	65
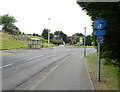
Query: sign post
99	62
99	23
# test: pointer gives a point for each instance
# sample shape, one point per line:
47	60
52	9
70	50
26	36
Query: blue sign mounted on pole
100	39
99	32
99	23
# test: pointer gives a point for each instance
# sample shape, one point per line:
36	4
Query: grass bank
77	46
109	73
8	41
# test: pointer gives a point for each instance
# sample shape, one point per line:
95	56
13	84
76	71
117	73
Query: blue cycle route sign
99	23
100	39
99	32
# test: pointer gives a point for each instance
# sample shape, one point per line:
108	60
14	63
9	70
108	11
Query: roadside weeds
109	78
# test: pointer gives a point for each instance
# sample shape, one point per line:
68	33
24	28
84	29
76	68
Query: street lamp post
48	33
84	42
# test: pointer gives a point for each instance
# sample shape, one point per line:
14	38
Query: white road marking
29	59
35	57
6	65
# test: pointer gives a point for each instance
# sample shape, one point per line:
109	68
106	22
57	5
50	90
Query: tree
34	34
58	33
45	33
110	12
61	35
78	34
51	35
88	40
7	22
23	33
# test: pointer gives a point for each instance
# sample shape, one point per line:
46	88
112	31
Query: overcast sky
32	15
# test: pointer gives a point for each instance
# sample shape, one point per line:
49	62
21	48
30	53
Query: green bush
106	55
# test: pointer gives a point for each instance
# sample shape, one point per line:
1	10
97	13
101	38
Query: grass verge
45	44
109	73
73	46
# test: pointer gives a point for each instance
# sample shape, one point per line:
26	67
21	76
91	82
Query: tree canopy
45	33
7	23
88	40
110	11
61	35
78	34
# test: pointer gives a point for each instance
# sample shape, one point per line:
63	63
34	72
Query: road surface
57	68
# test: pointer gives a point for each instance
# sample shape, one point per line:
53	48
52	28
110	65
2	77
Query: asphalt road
49	69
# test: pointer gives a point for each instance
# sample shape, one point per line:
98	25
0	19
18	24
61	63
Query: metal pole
48	33
99	62
99	58
84	43
48	38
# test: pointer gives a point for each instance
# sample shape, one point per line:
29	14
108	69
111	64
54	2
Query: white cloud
32	15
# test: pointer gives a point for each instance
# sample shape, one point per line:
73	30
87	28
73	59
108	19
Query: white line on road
6	65
35	57
29	59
